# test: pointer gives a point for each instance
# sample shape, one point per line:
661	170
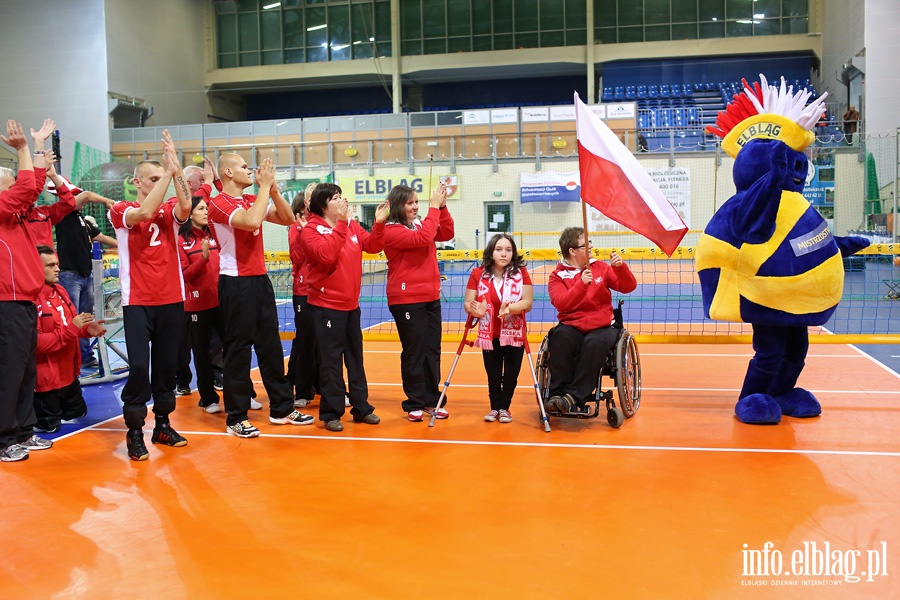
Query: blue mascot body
768	258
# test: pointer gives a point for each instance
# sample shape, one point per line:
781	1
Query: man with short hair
152	296
57	391
246	295
21	279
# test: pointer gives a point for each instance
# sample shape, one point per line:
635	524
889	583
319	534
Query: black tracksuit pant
419	327
251	321
18	371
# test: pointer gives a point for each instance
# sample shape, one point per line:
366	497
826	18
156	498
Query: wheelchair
623	366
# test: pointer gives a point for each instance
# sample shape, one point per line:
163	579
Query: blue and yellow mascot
767	257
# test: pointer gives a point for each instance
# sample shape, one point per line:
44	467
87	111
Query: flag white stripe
600	141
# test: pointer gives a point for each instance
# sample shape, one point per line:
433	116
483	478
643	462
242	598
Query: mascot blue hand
851	244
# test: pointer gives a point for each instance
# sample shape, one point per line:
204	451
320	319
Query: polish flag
613	182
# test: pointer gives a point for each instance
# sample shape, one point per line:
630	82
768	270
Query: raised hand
51	163
382	211
300	221
15	137
204	248
173	165
41	135
209	171
265	174
438	197
615	260
344	210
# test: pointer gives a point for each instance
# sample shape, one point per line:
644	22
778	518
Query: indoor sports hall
671	497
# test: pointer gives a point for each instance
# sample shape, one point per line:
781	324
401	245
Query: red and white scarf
512	327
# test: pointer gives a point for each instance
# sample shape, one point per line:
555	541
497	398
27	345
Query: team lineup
194	264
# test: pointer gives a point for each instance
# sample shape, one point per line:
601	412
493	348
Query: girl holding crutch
499	293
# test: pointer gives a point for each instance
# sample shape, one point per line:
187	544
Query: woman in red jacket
199	254
580	291
303	365
499	293
333	244
414	293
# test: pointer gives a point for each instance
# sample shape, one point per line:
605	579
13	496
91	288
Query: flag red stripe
606	187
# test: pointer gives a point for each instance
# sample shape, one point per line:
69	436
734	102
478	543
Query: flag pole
587	244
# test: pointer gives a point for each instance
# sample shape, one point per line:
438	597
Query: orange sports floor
678	503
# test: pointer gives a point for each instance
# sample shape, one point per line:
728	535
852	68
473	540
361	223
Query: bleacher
676	115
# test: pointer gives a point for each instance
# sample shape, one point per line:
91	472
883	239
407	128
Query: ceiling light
273	5
759	16
323	26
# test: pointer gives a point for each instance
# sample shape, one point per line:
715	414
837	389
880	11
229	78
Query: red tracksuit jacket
588	307
201	276
21	269
335	260
299	267
413	274
58	354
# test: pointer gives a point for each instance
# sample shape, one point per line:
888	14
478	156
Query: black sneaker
134	440
218	385
90	363
164	434
182	390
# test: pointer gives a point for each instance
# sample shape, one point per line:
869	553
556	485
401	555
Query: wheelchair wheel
628	374
615	417
542	365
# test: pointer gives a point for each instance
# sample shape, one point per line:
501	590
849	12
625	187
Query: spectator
851	122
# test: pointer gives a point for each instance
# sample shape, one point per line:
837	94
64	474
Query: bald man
246	295
152	296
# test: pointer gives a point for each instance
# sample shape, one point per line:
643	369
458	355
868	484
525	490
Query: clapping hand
381	212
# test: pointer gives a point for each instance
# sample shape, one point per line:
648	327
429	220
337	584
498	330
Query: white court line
674	354
643	388
878	362
550	445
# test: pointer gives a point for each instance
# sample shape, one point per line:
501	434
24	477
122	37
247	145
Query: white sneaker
212	408
254	405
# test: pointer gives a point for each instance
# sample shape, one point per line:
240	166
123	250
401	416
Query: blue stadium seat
619	93
686	90
653	91
642	91
664	91
630	92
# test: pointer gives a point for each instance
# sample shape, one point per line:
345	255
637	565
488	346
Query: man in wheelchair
580	290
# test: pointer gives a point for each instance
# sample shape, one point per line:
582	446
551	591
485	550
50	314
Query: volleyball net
666	307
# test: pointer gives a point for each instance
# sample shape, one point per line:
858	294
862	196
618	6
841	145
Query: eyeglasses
589	245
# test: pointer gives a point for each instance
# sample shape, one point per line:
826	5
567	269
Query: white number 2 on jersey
154	235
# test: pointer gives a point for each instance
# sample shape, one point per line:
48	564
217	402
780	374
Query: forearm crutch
537	390
471	322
